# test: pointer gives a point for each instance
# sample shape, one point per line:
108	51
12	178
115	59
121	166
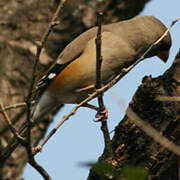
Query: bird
73	77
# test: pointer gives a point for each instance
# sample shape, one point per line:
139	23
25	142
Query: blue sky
80	139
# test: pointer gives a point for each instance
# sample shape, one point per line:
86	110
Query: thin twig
29	97
40	45
39	168
165	34
65	118
39	49
14	106
99	58
10	125
102	110
150	131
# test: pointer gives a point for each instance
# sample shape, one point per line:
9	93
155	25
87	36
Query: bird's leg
90	106
101	115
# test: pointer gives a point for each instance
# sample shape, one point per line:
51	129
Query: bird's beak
164	55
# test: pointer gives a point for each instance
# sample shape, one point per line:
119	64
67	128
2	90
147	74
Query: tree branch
39	168
29	97
102	110
10	125
14	106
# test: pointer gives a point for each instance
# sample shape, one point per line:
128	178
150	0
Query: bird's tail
44	106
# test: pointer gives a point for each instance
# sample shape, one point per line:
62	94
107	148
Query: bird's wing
70	53
76	47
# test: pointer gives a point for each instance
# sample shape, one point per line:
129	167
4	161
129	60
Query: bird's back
134	31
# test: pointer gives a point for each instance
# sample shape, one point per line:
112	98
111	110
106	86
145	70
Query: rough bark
22	23
132	146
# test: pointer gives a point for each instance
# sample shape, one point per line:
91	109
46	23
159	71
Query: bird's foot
102	115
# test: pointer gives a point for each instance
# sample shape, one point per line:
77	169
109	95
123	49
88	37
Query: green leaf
134	173
106	169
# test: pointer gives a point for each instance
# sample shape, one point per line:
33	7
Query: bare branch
65	118
29	97
39	168
99	59
150	131
10	125
102	110
165	34
14	106
39	49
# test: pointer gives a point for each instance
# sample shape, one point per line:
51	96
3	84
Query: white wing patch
51	75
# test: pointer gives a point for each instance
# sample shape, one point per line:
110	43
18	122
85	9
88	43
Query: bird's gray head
143	31
162	48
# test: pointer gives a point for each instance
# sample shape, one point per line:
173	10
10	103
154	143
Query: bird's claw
102	115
